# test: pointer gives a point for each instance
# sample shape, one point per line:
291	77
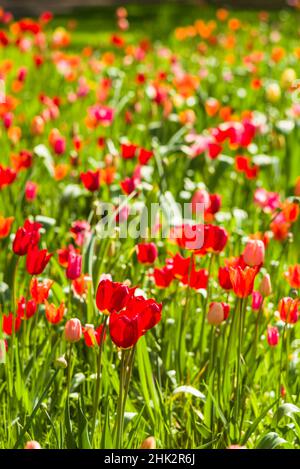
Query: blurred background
35	7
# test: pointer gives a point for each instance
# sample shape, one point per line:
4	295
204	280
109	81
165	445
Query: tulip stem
182	323
205	305
120	403
125	375
238	372
98	378
280	366
69	370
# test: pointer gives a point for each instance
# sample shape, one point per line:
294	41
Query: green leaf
47	222
286	410
270	440
70	440
42	152
189	390
106	438
256	422
83	434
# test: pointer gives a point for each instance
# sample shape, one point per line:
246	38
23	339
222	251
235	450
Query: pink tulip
217	313
254	252
73	330
273	336
74	265
257	301
31	189
32	445
265	287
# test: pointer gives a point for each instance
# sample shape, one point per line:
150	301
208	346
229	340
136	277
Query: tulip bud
273	92
37	125
265	288
32	445
254	253
31	189
273	336
236	447
73	330
149	443
288	77
8	120
2	351
74	266
61	362
257	300
59	146
217	313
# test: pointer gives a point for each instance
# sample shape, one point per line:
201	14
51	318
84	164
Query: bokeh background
35	7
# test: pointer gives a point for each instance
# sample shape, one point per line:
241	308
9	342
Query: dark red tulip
91	180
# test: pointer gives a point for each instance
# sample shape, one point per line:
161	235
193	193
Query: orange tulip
5	226
242	280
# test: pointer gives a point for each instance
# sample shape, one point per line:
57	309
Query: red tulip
224	278
39	291
188	236
7	176
129	185
128	151
91	180
26	236
37	260
112	296
135	320
164	276
26	309
147	253
93	336
10	322
144	156
215	238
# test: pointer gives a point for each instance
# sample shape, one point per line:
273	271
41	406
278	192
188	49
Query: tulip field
150	229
